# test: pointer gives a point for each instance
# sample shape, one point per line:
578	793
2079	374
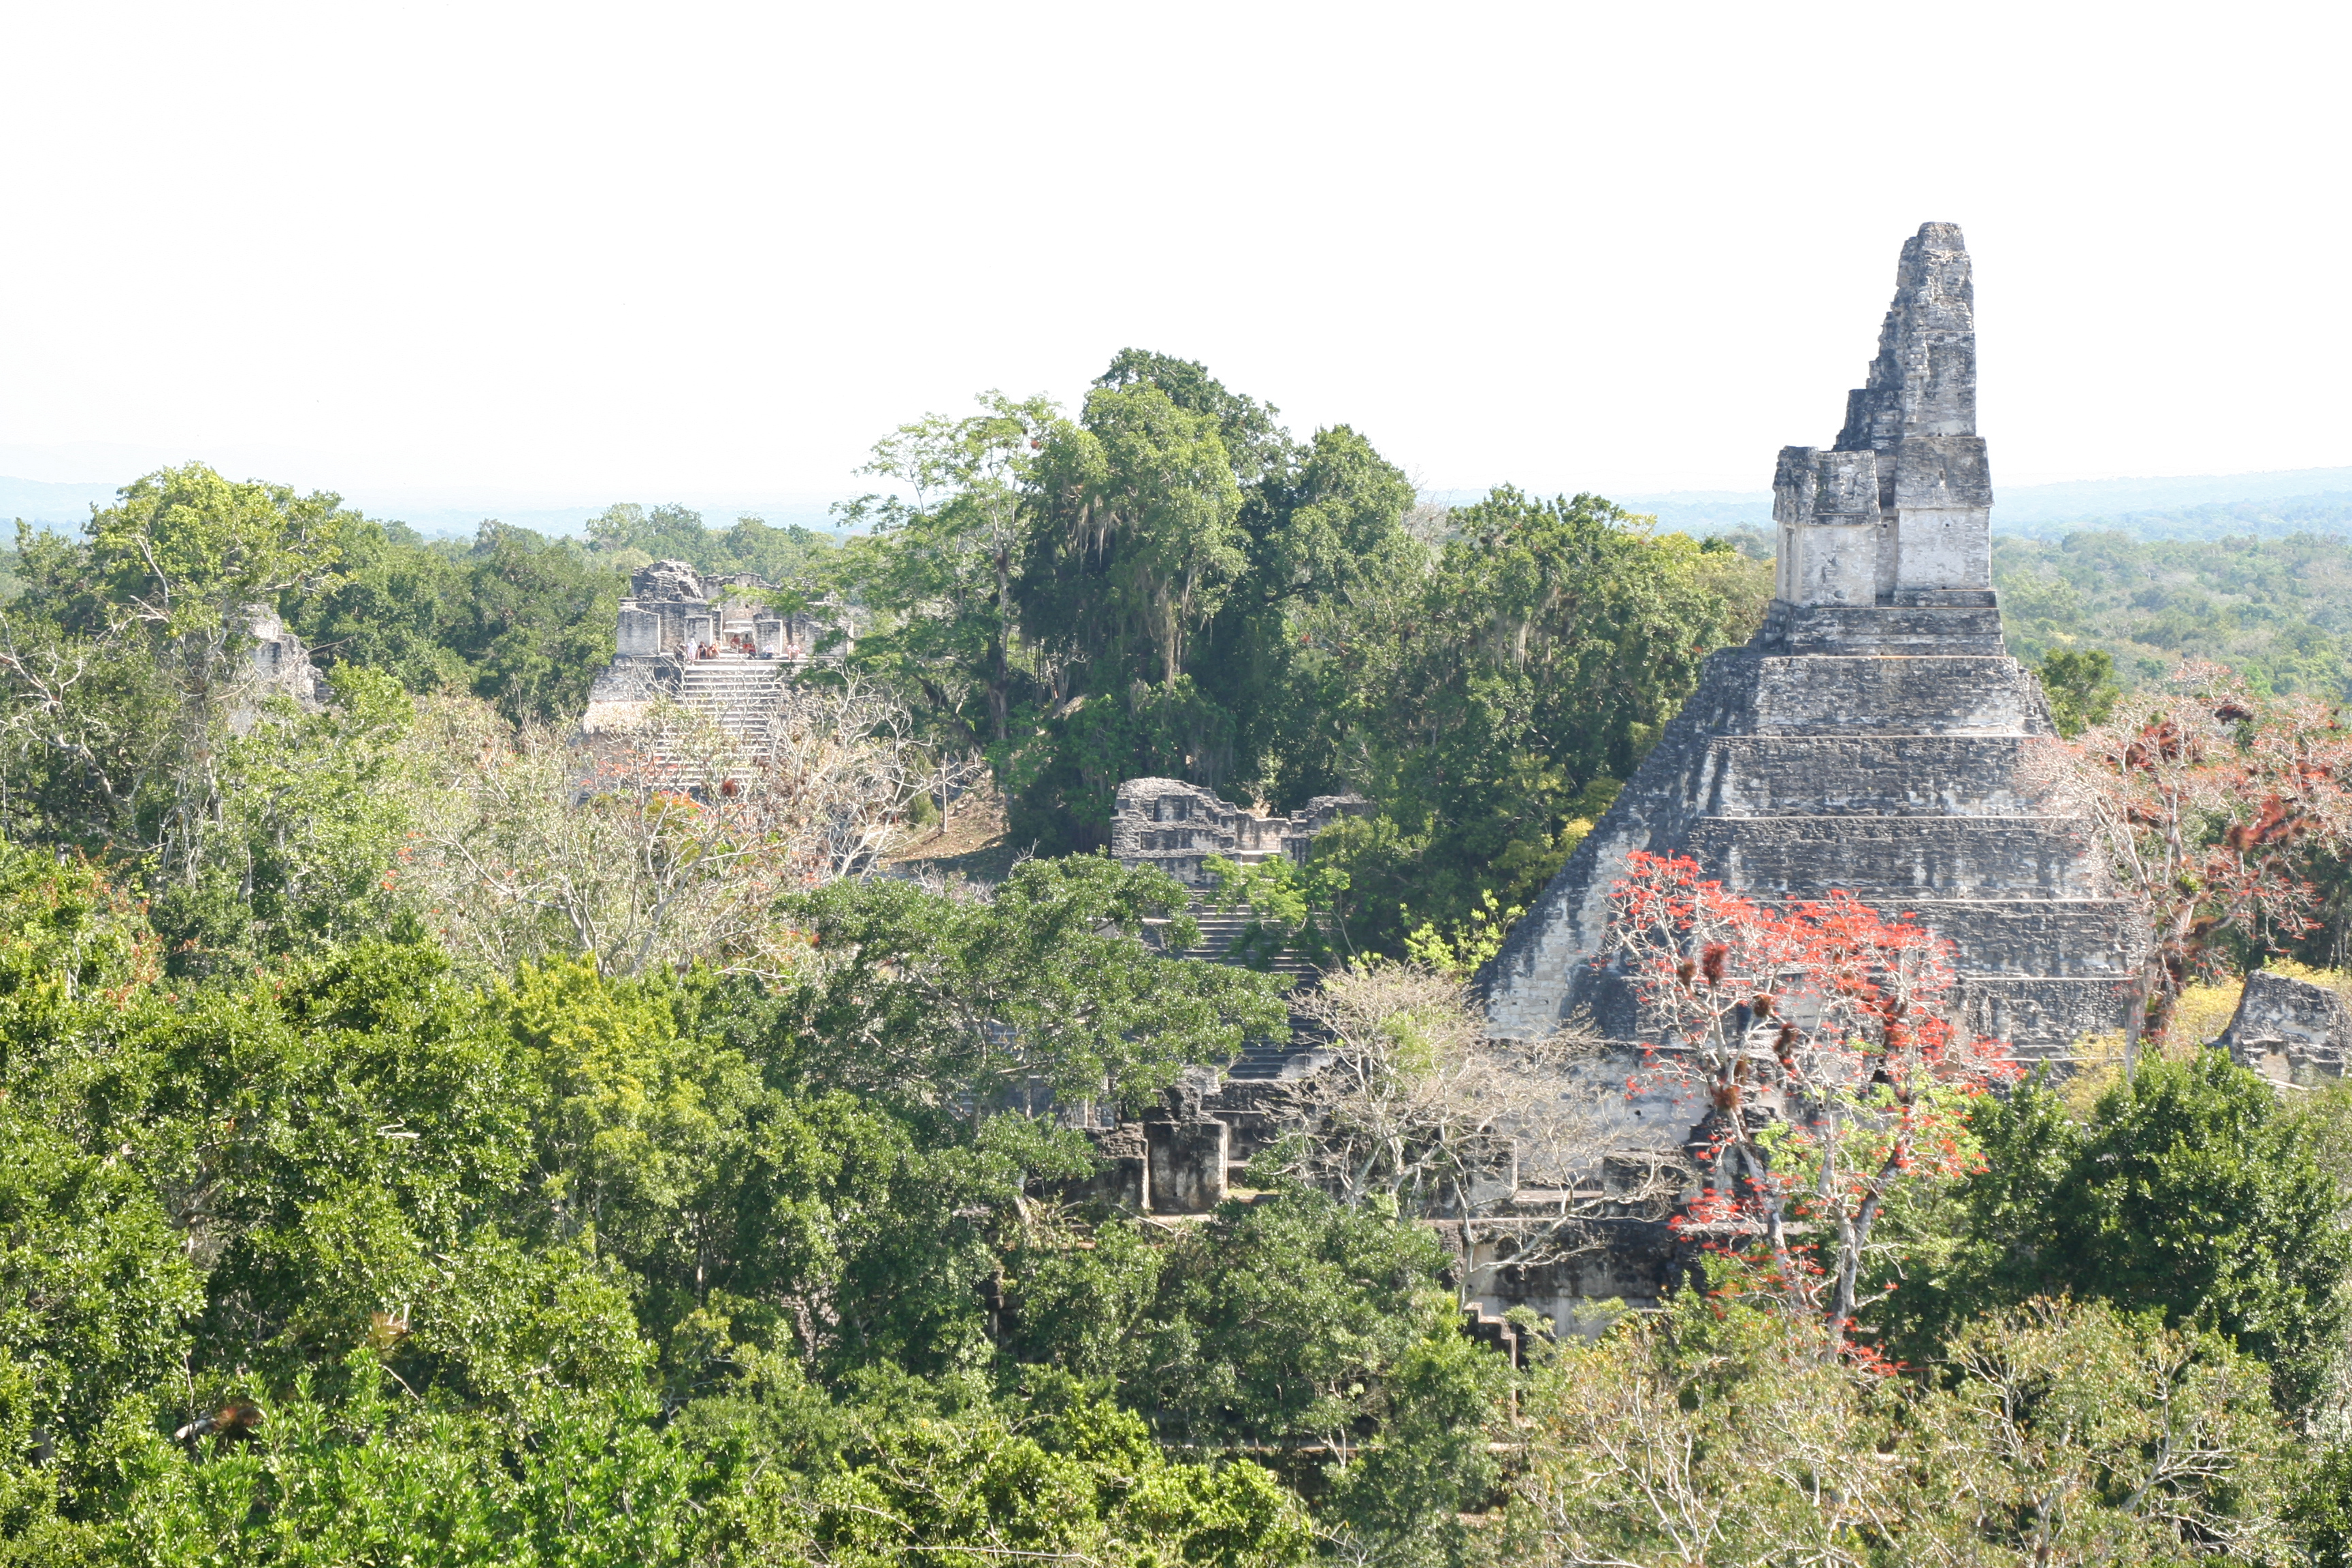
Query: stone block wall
1903	502
1176	827
2291	1031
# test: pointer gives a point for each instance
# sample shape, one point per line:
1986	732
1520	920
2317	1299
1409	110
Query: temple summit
1875	736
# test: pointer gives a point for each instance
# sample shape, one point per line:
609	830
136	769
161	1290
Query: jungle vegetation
351	1212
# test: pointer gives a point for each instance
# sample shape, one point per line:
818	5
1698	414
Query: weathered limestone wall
279	665
1175	826
2291	1031
1903	503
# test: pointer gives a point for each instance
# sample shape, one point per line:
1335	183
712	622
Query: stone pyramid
1875	736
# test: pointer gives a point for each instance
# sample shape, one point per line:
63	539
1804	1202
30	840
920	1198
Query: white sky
571	253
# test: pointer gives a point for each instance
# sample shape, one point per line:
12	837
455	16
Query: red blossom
1839	1076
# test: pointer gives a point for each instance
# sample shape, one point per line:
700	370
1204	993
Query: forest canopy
435	1136
2278	611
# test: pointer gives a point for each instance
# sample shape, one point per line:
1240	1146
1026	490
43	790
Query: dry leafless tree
666	843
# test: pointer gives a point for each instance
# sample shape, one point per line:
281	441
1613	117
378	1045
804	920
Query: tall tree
2220	806
146	626
942	564
1489	703
1833	1023
1142	506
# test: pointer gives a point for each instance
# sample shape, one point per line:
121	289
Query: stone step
1265	1060
1885	628
1901	775
2071	939
1887	859
1218	932
1940	695
2047	1012
739	696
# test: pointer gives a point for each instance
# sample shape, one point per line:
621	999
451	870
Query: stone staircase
1283	1055
738	695
1219	931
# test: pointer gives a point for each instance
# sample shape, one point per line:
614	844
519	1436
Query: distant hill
2211	505
66	507
460	522
2207	506
2327	512
51	505
1703	511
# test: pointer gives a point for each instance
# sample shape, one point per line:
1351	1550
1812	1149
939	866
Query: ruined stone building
1174	827
277	665
1873	737
710	643
2295	1032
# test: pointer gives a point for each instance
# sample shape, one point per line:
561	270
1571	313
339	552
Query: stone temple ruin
1873	737
1175	827
712	644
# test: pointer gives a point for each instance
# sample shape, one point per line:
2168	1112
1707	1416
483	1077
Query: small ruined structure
2291	1031
1875	736
710	643
1174	827
1560	1241
278	665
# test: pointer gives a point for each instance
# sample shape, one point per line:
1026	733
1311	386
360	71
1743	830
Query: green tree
1142	506
942	566
128	655
1048	983
2189	1192
1326	540
301	850
1279	1320
2082	686
2053	1433
1495	708
2074	1432
540	623
396	605
189	553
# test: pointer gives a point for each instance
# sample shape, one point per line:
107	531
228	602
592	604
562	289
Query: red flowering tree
1820	1035
2222	806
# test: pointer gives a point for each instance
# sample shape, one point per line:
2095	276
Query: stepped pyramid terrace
1874	737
